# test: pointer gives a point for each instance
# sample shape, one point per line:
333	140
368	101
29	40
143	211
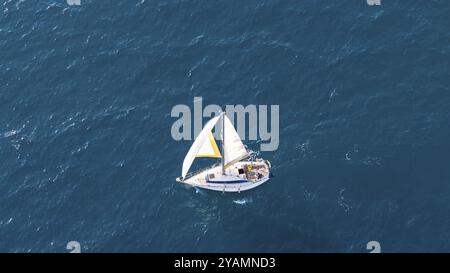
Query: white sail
203	146
233	148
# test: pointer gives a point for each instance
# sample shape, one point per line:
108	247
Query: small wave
411	222
7	222
332	95
304	148
242	201
197	190
307	195
354	151
346	205
13	132
10	133
372	161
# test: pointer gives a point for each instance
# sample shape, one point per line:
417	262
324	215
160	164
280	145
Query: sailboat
239	169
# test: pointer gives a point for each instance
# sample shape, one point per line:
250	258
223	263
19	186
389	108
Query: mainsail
233	148
205	145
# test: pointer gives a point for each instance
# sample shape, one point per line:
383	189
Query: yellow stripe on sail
212	142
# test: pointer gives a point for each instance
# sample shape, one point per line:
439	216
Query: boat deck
240	176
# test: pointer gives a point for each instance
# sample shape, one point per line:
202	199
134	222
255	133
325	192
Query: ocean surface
86	152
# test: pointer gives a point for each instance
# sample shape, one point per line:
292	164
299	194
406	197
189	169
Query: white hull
223	187
234	179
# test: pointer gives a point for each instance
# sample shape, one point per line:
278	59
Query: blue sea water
86	152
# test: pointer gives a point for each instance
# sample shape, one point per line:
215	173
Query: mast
223	143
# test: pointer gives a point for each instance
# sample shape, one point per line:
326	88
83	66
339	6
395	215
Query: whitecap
343	203
197	190
242	201
10	133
